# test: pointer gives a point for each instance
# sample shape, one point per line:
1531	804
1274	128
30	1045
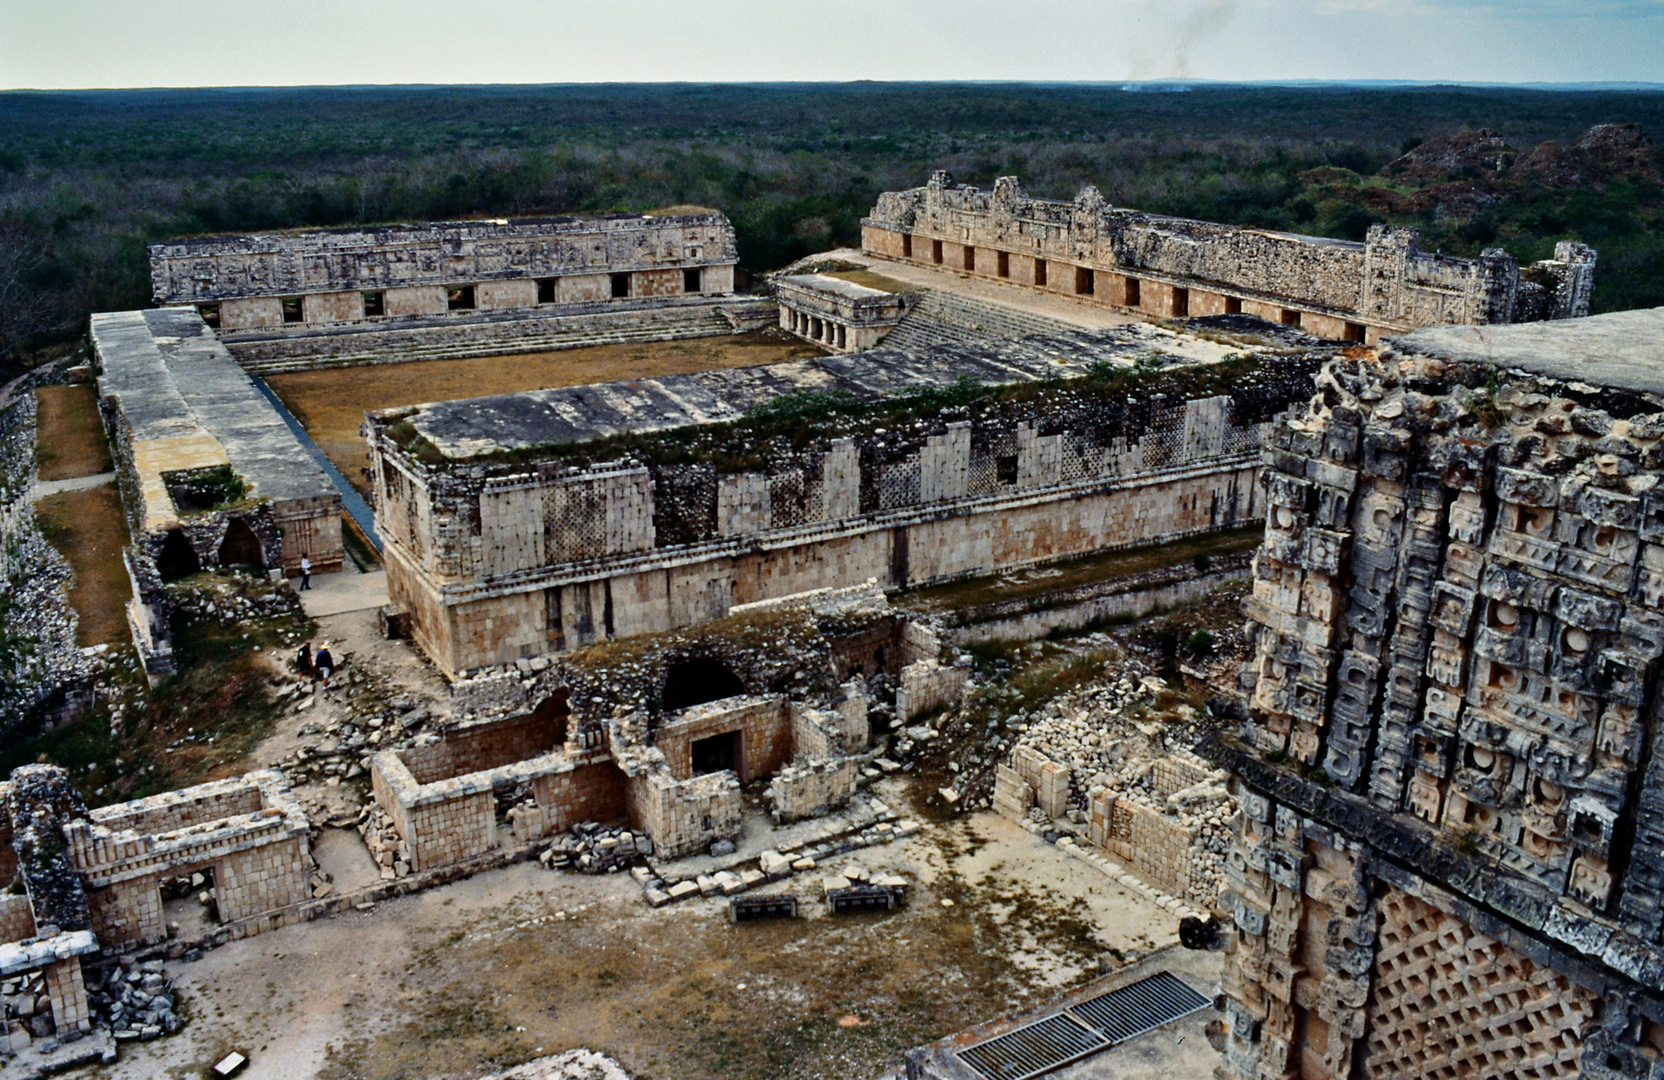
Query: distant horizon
209	44
1108	84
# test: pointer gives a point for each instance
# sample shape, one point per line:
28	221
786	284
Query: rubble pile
591	849
366	721
233	597
572	1065
135	1001
48	667
387	847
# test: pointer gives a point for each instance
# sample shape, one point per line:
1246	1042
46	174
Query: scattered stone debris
134	1000
572	1065
591	849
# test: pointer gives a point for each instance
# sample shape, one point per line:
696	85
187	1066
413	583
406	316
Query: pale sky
124	43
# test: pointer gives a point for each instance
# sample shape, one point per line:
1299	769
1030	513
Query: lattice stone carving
1448	1003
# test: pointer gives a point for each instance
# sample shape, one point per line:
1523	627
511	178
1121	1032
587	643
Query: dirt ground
88	528
331	403
519	962
69	437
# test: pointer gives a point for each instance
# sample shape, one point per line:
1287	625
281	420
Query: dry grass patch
88	529
331	403
70	436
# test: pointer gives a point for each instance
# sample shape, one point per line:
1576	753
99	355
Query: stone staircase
947	318
272	356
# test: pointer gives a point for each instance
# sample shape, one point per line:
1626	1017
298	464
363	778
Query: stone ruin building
444	269
1448	860
210	474
381	294
659	733
1165	267
530	523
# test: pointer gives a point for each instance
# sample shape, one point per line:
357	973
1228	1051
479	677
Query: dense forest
87	179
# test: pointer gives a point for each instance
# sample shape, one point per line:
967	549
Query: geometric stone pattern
1448	1003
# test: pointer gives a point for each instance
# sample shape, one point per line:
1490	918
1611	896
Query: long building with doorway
210	474
1167	267
533	523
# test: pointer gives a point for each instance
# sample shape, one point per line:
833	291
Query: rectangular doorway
716	753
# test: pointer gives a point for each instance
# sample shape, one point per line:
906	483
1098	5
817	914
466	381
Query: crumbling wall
17	918
685	816
1048	780
927	685
43	669
248	831
807	790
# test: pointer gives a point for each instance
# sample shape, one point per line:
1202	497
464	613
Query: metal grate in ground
1033	1049
1084	1029
1139	1007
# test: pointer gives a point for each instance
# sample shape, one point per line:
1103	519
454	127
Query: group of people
315	666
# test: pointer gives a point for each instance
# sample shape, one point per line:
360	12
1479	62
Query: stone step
543	335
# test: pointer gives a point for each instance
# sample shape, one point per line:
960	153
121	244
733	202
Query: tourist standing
305	572
324	662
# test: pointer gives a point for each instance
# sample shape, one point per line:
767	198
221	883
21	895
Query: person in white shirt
305	572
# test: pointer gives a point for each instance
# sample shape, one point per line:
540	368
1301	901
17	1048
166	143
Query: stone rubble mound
572	1065
591	849
135	1000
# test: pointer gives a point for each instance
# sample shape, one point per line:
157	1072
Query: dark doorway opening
292	312
716	753
240	546
620	286
1134	294
375	305
690	281
1040	273
546	290
210	314
460	298
1003	264
1181	302
1085	281
936	252
1233	305
696	681
177	558
907	245
550	718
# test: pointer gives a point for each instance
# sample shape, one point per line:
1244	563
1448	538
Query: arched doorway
177	558
240	546
698	680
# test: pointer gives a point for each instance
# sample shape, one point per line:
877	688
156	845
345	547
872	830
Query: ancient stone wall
1174	267
801	791
322	276
1454	693
17	918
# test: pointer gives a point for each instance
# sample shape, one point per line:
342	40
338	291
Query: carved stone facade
332	276
1448	863
1167	267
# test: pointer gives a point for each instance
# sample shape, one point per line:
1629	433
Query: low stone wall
801	791
1047	779
928	685
683	816
1031	619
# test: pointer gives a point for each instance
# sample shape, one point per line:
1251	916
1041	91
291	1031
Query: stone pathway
43	488
349	590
